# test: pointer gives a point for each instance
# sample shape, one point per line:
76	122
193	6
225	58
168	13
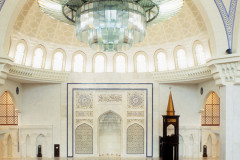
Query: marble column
230	122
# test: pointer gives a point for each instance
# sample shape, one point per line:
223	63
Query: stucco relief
110	98
135	100
79	121
84	139
135	139
135	113
83	100
140	121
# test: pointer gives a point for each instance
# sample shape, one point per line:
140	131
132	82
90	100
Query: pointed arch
8	114
135	139
211	113
84	139
9	146
209	145
28	146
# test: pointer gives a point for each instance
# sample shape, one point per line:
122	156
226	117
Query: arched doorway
110	134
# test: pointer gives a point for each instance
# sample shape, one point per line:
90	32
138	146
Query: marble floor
108	158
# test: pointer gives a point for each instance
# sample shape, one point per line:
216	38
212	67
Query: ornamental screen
211	113
8	115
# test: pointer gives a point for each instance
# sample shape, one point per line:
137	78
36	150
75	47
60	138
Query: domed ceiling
34	23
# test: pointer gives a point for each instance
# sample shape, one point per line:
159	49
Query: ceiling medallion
111	25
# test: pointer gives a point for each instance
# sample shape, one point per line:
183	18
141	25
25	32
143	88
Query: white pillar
230	122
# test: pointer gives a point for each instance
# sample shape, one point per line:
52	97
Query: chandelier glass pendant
111	25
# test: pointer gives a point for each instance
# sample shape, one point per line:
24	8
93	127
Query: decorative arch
28	146
180	62
35	58
9	115
54	61
211	113
84	139
84	57
41	140
9	146
156	60
135	139
110	131
115	62
104	62
136	65
20	52
199	57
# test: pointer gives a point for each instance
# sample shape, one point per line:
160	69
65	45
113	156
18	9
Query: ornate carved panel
140	121
135	113
135	100
110	98
135	139
84	139
83	100
84	114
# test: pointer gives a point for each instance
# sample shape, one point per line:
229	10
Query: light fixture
111	25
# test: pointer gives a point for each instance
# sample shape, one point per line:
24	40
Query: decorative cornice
228	18
185	75
226	69
40	75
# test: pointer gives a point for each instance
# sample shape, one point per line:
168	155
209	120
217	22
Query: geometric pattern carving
135	139
79	121
135	100
8	115
84	100
135	114
211	113
84	139
84	114
228	18
140	121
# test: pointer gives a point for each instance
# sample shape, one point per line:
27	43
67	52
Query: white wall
41	106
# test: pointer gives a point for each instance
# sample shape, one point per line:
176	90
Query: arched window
141	63
181	59
58	61
200	55
19	54
161	61
78	63
120	63
99	63
38	58
211	113
8	114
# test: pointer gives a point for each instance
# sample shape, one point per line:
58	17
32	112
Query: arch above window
160	60
180	57
8	114
141	62
20	52
211	113
99	62
79	62
120	62
199	53
58	60
39	57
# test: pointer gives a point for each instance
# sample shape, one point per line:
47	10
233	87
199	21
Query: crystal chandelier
111	25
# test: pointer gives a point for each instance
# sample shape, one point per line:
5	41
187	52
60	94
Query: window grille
8	115
211	113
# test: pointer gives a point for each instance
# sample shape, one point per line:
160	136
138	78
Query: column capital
225	69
